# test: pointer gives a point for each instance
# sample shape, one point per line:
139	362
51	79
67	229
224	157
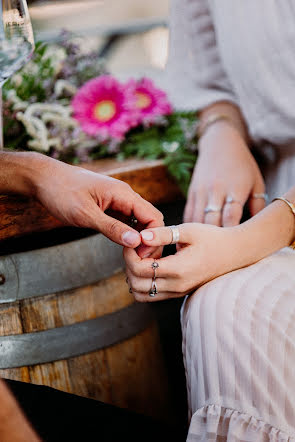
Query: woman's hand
203	253
225	168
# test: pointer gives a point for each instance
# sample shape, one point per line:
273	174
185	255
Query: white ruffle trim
215	423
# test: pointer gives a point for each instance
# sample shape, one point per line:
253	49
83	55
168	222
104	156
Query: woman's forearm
270	230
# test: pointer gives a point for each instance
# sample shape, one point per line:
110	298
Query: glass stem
1	121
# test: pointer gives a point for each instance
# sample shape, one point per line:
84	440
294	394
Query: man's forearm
14	427
18	170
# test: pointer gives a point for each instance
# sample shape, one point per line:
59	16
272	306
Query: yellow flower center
105	110
143	100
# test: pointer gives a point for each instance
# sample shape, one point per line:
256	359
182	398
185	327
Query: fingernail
146	256
147	235
130	238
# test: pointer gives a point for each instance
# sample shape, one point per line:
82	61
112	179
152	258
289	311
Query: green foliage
35	82
174	141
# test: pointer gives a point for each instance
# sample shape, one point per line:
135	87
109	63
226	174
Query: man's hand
81	198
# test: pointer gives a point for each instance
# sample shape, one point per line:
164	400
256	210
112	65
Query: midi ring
154	290
175	234
209	209
263	196
231	200
127	282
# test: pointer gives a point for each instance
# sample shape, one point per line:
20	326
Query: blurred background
131	34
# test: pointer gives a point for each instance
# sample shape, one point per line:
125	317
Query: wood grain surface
20	216
130	374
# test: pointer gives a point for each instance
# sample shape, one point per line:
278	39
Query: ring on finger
212	208
175	234
154	290
127	282
263	196
231	200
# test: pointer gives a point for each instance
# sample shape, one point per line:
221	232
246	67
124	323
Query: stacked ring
154	290
212	208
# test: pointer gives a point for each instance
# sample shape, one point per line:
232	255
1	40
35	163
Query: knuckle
113	228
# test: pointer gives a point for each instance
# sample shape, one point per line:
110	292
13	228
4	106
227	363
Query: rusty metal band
74	340
58	268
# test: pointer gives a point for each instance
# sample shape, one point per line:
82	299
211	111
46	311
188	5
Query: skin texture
80	198
205	252
225	167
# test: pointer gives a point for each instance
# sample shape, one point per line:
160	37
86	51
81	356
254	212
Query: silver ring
263	196
127	282
154	290
231	200
212	209
175	234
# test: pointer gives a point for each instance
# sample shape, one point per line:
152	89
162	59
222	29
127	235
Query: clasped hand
203	253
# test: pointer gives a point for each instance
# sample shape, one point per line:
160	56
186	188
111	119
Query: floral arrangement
65	104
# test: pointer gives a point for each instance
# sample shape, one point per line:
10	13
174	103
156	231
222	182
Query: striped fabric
239	330
239	353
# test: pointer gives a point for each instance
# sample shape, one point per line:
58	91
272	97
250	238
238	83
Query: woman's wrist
220	133
269	231
222	113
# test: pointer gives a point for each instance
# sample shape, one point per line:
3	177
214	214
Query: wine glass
16	42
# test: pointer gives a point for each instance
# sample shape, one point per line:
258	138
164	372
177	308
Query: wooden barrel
68	321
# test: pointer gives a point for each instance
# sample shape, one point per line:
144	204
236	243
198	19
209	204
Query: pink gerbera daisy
105	108
151	102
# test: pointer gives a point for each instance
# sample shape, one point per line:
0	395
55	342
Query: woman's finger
199	206
232	214
257	204
144	285
140	297
215	205
162	236
233	210
189	207
168	266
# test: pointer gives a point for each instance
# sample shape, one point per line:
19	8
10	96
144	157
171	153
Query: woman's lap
239	352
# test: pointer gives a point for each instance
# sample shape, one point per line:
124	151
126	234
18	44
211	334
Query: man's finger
116	230
146	213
